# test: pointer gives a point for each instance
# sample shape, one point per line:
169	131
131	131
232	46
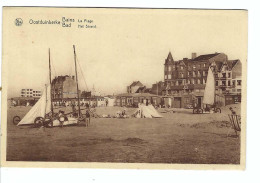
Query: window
238	82
224	83
198	66
169	68
194	66
229	75
229	83
181	67
177	83
233	83
216	83
204	65
194	74
199	81
169	76
182	75
192	81
165	77
199	74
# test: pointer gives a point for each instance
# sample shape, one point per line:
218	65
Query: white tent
42	107
144	111
209	93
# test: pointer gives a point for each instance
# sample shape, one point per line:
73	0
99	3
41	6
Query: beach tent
144	111
42	107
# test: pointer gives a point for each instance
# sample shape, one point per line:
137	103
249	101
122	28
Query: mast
157	88
50	81
79	114
214	74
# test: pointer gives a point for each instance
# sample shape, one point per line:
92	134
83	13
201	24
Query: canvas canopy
42	107
144	111
209	93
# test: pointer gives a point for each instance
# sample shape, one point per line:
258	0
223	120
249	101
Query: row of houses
184	83
185	80
175	101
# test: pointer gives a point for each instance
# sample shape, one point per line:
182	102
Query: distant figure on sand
87	117
232	111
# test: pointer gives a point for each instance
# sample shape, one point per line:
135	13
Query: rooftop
205	57
136	95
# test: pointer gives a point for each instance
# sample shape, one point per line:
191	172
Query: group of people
71	103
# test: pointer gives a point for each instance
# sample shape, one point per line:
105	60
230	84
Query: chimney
193	55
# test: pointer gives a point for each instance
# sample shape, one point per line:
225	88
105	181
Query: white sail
42	107
209	94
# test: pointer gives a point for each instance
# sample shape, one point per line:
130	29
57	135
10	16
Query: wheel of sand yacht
38	121
16	120
217	110
195	111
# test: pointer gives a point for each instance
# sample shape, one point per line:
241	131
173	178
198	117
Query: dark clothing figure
87	117
232	111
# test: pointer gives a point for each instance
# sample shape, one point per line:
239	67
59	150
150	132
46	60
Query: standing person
87	105
73	108
87	117
106	103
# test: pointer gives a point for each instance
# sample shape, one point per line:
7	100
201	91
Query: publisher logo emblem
18	22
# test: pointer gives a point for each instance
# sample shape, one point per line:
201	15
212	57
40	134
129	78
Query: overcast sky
127	44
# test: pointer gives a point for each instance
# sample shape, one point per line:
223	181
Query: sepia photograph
124	88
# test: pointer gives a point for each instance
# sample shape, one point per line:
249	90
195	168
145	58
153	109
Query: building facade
188	75
64	87
29	92
228	77
135	87
185	80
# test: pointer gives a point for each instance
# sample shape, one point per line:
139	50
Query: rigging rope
52	65
82	73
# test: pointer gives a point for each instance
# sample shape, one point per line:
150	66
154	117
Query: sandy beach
178	137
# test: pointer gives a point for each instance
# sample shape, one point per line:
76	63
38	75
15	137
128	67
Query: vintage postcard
124	88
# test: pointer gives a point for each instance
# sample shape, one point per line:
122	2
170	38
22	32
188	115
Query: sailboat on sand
42	113
209	98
